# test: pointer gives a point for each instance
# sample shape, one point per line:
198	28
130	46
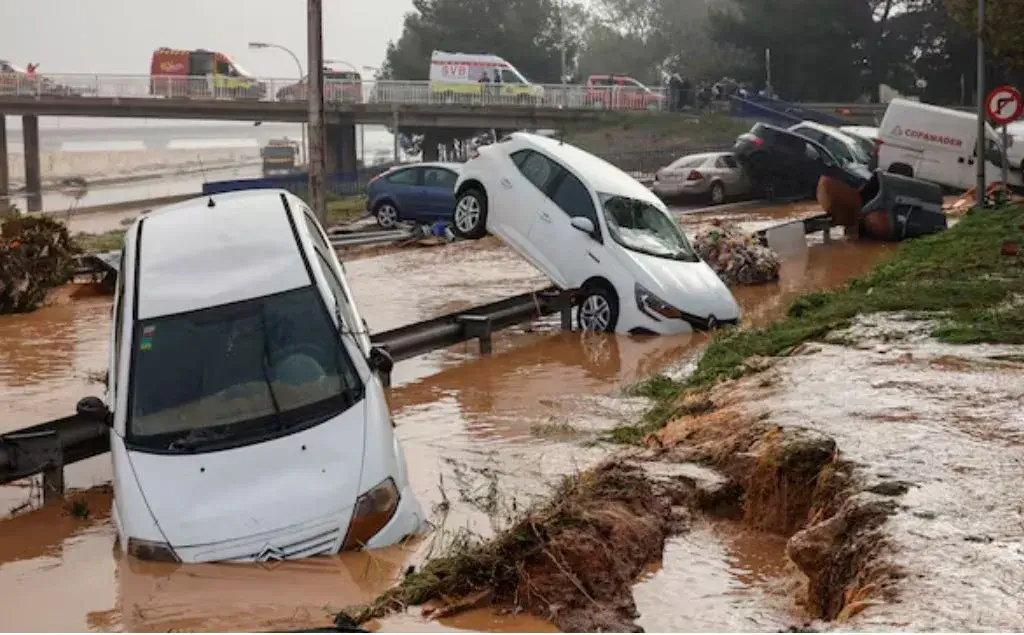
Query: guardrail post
478	326
53	482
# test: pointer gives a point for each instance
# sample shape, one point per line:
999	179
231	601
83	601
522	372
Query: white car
591	227
247	418
844	146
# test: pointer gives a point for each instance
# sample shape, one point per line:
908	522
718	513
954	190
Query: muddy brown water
486	435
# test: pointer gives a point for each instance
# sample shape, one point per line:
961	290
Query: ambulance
939	145
200	73
470	76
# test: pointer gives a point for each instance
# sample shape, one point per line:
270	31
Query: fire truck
177	73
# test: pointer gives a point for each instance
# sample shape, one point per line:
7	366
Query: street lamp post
980	143
298	65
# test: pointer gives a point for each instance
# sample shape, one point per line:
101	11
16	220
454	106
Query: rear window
688	162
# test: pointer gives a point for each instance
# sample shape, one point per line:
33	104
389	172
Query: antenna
202	170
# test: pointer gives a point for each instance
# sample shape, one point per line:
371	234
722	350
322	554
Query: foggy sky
119	36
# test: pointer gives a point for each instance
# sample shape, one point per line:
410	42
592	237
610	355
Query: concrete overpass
341	119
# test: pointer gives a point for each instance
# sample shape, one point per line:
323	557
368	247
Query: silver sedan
715	175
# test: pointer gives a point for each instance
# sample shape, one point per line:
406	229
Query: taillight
695	176
474	155
757	141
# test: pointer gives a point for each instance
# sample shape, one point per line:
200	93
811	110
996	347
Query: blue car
420	192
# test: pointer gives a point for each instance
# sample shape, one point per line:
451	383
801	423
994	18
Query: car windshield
639	226
278	152
238	373
861	148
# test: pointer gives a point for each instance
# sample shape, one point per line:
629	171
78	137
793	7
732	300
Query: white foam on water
201	144
102	146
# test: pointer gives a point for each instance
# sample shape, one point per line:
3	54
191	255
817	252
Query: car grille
312	546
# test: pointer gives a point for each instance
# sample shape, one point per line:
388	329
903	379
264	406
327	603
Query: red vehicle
201	73
339	87
620	92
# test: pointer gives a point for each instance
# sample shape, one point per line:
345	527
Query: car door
405	187
438	191
572	254
520	200
729	171
524	203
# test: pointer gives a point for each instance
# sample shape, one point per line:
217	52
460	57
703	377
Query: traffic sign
1004	105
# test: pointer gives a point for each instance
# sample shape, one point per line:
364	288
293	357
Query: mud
483	437
914	523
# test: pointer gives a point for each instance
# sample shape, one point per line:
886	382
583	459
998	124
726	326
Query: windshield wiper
265	369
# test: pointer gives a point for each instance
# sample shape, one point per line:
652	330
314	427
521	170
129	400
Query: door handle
507	183
544	216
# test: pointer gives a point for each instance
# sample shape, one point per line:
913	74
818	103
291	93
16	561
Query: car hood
691	287
236	494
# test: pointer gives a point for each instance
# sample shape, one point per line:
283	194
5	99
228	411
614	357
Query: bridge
347	104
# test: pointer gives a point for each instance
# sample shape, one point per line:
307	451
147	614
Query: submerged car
248	421
784	163
715	175
591	227
420	192
844	145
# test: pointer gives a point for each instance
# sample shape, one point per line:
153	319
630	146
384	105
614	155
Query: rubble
36	255
736	257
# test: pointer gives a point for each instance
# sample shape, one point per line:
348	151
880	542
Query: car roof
829	130
193	256
596	172
456	167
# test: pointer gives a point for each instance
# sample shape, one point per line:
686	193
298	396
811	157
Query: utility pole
317	136
979	145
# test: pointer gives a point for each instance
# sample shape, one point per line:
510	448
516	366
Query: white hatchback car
591	227
247	418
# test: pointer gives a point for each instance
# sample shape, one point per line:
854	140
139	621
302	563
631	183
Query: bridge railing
335	91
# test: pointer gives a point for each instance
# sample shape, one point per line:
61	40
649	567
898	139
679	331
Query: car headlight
374	510
653	306
152	551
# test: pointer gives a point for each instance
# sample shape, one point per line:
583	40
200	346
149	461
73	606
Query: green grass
959	276
98	243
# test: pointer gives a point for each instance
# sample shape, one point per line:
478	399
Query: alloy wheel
387	216
467	214
595	313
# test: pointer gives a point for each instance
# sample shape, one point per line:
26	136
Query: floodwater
484	434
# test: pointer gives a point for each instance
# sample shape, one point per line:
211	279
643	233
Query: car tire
717	193
387	215
469	219
598	309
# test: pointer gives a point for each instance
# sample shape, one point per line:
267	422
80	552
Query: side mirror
583	224
93	409
380	361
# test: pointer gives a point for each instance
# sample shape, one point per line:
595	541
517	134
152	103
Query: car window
537	169
118	320
508	77
601	81
810	133
332	279
573	198
408	176
687	162
730	161
811	152
440	178
838	148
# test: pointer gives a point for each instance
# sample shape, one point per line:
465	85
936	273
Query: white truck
938	145
472	75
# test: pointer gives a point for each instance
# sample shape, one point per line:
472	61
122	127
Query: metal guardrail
48	447
571	96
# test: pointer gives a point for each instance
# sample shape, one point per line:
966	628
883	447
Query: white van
247	419
937	144
454	75
593	228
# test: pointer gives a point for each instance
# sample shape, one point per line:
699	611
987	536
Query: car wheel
386	214
717	193
470	217
599	309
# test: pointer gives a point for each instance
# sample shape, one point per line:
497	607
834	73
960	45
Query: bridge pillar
33	175
5	181
341	149
432	139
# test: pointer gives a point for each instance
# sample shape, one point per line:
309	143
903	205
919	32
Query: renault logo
270	555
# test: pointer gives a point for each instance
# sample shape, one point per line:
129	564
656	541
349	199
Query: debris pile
996	194
36	255
736	257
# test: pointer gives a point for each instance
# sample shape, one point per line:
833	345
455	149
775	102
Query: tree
1004	26
528	33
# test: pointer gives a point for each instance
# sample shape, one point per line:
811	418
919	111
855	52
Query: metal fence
212	87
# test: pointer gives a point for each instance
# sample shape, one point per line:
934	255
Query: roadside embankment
876	429
644	142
